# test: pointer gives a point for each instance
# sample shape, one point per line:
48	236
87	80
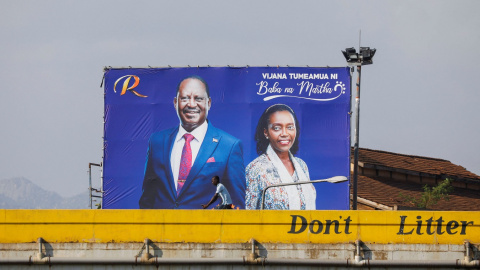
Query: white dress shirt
176	155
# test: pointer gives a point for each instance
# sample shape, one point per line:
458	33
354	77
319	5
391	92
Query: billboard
169	131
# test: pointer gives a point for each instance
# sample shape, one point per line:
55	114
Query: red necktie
185	162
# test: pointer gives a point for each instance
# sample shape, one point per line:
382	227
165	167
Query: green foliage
430	195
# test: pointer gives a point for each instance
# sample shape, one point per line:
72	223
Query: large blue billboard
169	131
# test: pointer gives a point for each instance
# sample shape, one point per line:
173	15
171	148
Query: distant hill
21	193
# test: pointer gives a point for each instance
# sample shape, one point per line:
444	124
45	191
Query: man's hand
214	198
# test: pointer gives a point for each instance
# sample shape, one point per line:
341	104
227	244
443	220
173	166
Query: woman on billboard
277	141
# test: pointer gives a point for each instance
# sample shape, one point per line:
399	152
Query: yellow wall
235	226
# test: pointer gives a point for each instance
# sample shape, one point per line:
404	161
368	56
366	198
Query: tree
430	195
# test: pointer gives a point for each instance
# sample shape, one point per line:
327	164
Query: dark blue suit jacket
159	187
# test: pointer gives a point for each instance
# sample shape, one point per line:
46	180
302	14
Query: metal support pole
364	57
40	251
101	186
252	257
357	128
252	241
147	246
358	257
468	256
90	182
90	185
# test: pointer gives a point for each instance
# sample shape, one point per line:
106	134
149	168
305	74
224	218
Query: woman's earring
266	137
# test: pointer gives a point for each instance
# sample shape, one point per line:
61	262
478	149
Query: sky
417	98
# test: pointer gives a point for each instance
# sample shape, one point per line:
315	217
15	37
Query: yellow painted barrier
237	226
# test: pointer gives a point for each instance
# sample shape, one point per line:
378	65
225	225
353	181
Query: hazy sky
419	96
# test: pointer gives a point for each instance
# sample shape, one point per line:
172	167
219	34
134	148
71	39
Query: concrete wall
286	238
341	253
238	226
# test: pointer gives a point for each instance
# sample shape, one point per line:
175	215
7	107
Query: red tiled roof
433	166
387	192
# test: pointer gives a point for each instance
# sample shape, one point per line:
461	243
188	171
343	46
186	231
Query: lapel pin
215	140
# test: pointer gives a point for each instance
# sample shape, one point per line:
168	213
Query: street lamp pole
356	139
333	180
357	59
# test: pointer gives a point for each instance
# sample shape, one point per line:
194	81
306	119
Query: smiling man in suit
182	160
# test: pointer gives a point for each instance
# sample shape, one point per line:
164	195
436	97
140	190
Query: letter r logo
125	86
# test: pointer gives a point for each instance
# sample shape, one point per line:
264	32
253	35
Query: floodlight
337	179
364	57
350	54
367	54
